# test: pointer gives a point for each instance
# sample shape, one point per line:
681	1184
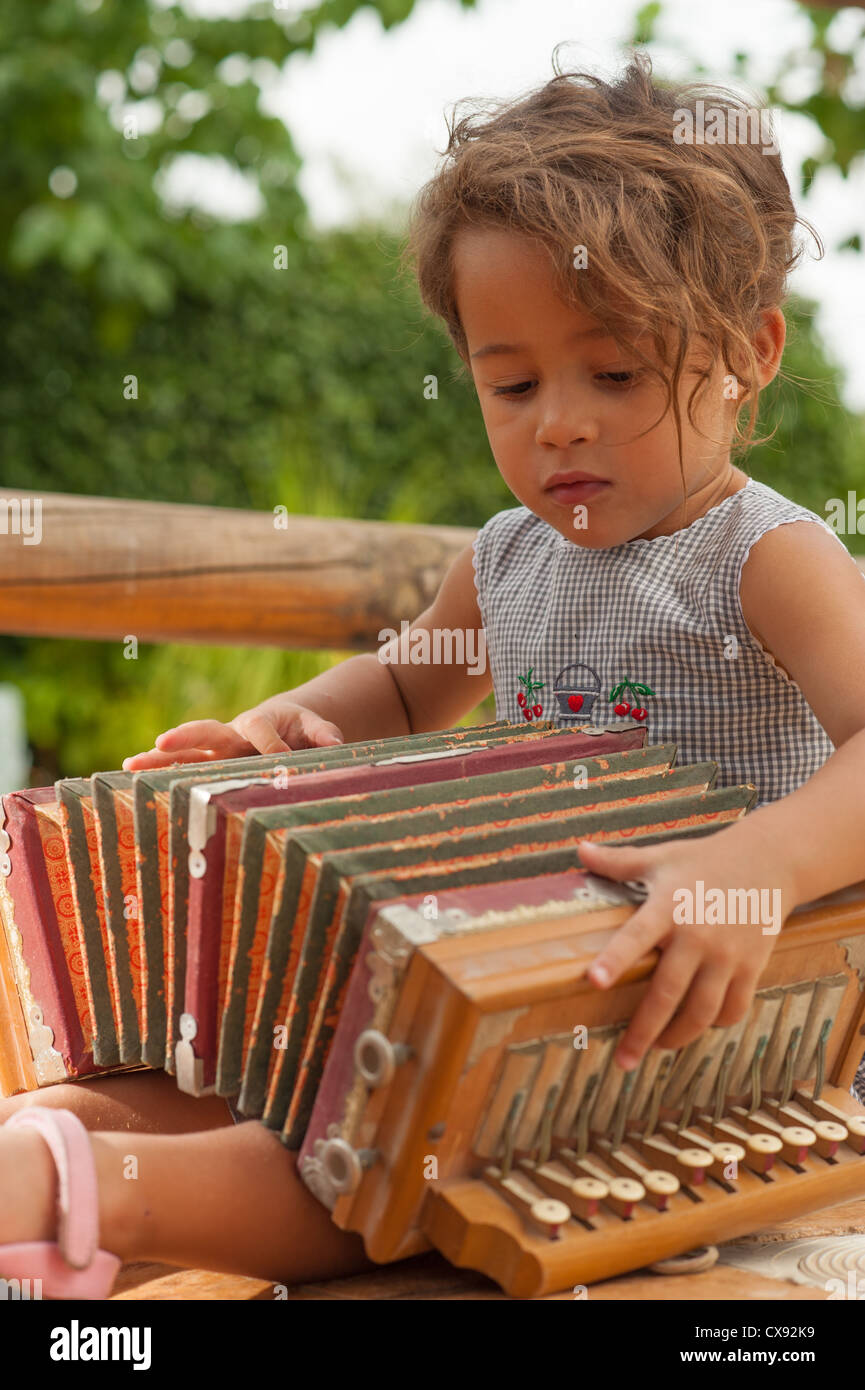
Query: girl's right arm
362	698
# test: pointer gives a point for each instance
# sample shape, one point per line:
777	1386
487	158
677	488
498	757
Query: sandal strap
77	1191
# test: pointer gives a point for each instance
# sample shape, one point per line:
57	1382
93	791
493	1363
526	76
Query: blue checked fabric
661	613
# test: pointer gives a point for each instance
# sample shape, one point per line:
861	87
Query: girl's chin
591	536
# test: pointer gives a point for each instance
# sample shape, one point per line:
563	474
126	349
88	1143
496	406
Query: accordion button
728	1153
830	1129
343	1165
660	1183
855	1137
829	1134
591	1189
551	1214
377	1058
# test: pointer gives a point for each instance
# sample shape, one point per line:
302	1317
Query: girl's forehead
503	277
509	295
484	249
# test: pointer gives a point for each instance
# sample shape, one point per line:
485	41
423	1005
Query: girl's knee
60	1097
63	1096
84	1099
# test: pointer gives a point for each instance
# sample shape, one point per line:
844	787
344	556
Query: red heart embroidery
575	702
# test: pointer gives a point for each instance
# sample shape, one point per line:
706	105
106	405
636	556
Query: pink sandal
74	1266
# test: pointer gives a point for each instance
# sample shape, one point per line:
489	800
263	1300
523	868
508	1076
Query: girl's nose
563	421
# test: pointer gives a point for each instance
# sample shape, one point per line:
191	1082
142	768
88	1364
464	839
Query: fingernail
599	974
626	1060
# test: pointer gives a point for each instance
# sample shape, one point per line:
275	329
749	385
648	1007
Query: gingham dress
663	614
565	626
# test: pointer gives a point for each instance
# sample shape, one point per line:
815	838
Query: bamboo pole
162	572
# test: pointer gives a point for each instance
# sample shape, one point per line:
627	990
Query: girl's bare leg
228	1199
146	1101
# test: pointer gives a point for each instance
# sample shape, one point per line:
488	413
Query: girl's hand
708	972
276	726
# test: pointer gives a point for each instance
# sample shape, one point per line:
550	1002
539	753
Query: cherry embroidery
524	699
634	689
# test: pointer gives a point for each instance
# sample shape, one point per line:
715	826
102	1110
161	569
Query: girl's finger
737	1000
701	1007
261	733
631	942
614	862
200	733
314	731
667	989
140	762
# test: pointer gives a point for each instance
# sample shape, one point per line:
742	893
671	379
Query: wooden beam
167	572
174	573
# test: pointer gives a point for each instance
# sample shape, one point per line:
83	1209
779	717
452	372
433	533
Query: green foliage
645	22
817	446
307	391
841	123
256	386
840	120
306	388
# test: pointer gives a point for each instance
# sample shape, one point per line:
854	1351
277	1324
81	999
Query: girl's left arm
803	598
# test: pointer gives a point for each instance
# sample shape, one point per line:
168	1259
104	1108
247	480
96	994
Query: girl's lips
570	493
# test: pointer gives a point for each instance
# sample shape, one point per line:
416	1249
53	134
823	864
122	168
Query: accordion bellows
379	950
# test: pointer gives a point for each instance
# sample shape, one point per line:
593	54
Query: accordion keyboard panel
585	1170
554	1167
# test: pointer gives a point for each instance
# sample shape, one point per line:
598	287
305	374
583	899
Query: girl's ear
769	344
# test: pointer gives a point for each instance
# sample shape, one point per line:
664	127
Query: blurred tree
99	97
322	408
831	68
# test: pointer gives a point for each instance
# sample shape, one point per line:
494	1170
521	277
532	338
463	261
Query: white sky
366	110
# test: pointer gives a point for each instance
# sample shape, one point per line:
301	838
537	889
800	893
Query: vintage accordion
379	950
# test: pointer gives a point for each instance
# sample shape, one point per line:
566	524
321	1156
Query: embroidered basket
578	685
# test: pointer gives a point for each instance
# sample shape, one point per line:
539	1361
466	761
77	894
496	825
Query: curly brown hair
696	238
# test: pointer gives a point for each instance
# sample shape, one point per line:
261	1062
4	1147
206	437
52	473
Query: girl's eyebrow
500	348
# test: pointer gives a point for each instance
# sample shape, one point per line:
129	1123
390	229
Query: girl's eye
619	378
519	389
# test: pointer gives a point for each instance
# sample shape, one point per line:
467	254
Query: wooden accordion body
379	951
489	1096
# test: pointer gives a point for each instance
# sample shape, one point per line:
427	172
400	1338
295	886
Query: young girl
614	290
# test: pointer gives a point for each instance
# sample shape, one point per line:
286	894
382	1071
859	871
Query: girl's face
560	399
